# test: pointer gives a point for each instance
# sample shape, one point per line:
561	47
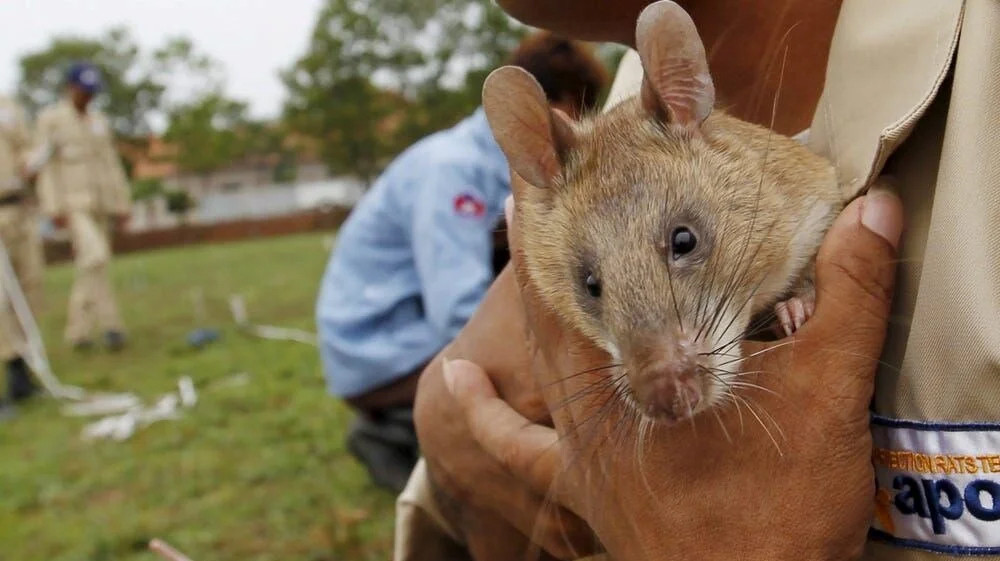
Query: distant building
249	188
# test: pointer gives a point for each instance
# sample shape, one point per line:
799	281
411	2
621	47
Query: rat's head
641	226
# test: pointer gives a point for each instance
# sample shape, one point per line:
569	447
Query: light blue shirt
413	260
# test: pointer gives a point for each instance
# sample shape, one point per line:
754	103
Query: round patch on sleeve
469	206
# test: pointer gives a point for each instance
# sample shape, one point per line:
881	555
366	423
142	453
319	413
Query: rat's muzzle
667	397
666	380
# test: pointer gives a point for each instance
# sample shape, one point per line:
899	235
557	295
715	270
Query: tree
135	82
130	93
207	132
379	74
143	189
180	204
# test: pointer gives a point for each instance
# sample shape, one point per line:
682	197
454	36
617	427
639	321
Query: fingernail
879	214
449	374
508	208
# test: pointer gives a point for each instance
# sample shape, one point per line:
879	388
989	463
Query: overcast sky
252	38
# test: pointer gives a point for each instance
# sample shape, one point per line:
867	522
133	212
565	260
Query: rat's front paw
794	312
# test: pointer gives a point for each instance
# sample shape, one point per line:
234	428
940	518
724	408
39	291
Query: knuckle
448	484
863	272
511	455
563	537
857	284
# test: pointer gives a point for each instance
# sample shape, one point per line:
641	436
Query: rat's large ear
534	137
676	86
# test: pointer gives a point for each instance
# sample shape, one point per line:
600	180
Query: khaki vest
14	143
83	173
913	90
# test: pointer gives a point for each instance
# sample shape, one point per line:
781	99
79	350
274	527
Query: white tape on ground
127	413
239	310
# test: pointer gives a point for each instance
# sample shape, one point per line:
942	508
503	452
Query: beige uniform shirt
83	172
14	144
913	89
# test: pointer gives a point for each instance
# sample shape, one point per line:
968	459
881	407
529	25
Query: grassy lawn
253	471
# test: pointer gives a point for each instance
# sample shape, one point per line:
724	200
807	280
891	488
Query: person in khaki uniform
83	186
910	90
19	232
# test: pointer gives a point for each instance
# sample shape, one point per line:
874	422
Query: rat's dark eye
682	242
593	286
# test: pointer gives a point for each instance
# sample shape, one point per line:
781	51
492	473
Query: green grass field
253	471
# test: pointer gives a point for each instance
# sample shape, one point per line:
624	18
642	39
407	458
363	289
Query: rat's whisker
760	326
595	420
581	373
715	411
717	353
738	279
644	432
881	362
760	187
741	279
761	422
760	352
739	411
749	385
587	390
687	404
764	412
731	375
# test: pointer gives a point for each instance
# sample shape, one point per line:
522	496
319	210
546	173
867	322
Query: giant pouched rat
663	228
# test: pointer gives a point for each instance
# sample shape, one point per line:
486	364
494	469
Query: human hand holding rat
496	512
786	474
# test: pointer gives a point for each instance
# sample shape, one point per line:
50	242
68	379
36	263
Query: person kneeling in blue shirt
415	257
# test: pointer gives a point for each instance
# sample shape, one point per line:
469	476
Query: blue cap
85	76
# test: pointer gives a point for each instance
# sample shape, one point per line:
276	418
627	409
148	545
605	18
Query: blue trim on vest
929	426
885	537
879	535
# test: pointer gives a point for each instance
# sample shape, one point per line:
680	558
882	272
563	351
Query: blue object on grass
202	336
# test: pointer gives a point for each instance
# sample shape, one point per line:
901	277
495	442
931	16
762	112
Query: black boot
387	446
114	340
20	386
7	410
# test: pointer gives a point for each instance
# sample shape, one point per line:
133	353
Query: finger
855	272
529	451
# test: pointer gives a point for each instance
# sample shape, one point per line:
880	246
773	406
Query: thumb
530	452
855	272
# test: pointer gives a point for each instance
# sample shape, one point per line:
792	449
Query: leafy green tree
180	203
143	189
207	132
130	93
286	169
136	82
379	74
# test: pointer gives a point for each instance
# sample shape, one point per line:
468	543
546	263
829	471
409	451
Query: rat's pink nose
668	395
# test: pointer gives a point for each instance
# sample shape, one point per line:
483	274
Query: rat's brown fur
760	203
606	195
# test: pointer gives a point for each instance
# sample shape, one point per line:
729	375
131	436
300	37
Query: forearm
484	534
494	513
498	343
758	50
592	20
